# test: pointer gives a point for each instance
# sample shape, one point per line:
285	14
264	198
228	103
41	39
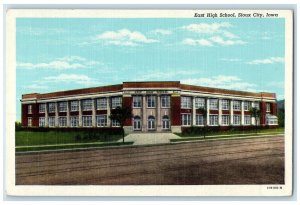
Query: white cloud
124	37
221	81
67	62
71	78
206	28
195	42
219	40
162	32
270	60
230	59
167	75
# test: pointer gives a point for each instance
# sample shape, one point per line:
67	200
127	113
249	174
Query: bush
18	126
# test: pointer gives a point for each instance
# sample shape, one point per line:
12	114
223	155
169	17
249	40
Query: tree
121	114
203	111
256	114
280	116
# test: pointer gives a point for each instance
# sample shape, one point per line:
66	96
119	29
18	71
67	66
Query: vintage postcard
149	102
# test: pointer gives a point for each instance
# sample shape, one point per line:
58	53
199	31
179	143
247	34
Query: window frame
151	100
74	106
87	105
213	104
29	109
137	101
235	117
72	121
101	120
188	119
52	107
101	103
246	105
186	102
245	117
42	122
29	119
197	120
42	107
86	119
225	106
51	120
214	119
63	106
236	105
228	120
165	101
116	102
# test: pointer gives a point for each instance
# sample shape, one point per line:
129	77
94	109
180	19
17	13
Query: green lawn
230	132
28	138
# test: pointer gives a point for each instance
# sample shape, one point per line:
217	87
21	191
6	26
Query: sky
55	54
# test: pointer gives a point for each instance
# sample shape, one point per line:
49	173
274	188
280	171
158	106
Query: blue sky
60	54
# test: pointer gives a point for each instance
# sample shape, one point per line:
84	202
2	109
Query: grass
28	138
69	146
231	132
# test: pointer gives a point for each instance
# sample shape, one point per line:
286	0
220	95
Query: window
225	104
29	122
87	104
137	101
166	122
115	123
236	119
213	104
29	109
101	104
74	121
151	101
199	120
62	121
236	105
41	122
256	105
42	108
151	123
116	102
51	107
165	101
246	105
51	121
186	119
225	119
186	102
271	119
101	120
137	123
87	121
213	120
62	106
74	105
268	107
199	102
247	119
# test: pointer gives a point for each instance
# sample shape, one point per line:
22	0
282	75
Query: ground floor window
87	121
225	119
236	119
41	122
101	121
166	122
29	122
186	119
115	123
151	122
199	120
137	123
247	119
213	120
62	121
51	121
74	121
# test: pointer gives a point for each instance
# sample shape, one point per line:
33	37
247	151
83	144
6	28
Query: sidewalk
150	138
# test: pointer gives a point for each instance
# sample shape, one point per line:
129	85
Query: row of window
101	121
214	120
151	101
186	102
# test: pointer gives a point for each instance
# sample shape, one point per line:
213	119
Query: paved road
149	138
239	161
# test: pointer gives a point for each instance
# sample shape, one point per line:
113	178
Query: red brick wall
127	102
263	113
101	112
185	110
274	108
236	112
225	112
35	115
214	112
175	110
24	114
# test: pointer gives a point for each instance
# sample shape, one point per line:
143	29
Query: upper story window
186	102
87	104
213	104
62	106
246	106
225	104
165	101
256	105
116	102
199	103
151	101
268	107
51	107
137	101
102	104
42	108
236	105
29	109
74	105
